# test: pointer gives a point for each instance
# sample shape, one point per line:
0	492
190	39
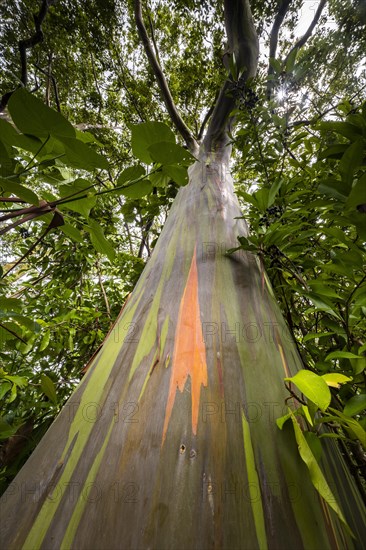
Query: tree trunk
170	440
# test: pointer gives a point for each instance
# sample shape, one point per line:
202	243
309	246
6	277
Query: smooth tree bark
170	440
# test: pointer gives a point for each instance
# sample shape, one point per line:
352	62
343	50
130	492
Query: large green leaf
313	387
342	355
355	405
357	195
48	388
137	190
351	159
74	191
178	174
81	155
32	116
130	174
316	475
100	243
166	152
146	134
19	191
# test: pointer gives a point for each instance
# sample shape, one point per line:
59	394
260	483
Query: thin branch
273	41
54	84
153	37
309	32
163	85
12	332
207	116
105	297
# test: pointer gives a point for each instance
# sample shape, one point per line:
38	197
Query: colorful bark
170	440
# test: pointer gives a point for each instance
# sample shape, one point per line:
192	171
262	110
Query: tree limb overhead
163	85
244	47
309	32
273	41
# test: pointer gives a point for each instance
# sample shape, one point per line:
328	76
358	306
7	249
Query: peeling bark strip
189	357
225	477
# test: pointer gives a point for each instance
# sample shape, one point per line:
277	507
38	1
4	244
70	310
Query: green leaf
335	380
146	134
10	303
48	388
342	355
316	475
314	443
277	66
177	173
290	61
355	405
6	430
166	152
322	304
45	341
334	151
353	427
130	174
19	381
357	195
313	387
19	191
345	129
333	188
160	178
32	116
82	206
313	335
8	133
73	233
81	155
323	290
282	419
4	388
306	412
137	190
351	159
358	365
100	243
275	187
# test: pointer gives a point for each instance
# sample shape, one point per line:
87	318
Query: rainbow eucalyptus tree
170	440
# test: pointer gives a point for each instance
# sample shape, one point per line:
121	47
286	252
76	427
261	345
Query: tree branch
207	116
163	85
54	84
244	47
26	44
309	32
273	41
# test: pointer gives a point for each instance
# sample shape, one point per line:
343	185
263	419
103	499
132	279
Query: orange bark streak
189	357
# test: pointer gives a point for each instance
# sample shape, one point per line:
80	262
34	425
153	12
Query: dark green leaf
146	134
100	243
355	405
32	116
19	191
166	152
48	388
